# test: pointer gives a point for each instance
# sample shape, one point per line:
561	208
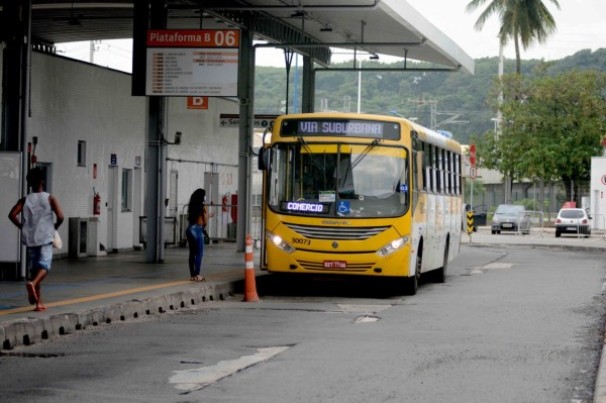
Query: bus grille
336	233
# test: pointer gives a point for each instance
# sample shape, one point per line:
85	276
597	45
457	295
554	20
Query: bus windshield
339	180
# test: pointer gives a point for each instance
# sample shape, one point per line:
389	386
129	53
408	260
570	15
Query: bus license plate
335	264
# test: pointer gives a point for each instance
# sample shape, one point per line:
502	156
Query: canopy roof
312	27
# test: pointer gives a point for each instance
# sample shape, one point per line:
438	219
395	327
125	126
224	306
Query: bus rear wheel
439	275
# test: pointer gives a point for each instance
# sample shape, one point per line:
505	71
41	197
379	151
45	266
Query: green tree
521	20
552	126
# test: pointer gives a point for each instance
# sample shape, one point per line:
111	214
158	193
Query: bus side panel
443	217
421	216
455	227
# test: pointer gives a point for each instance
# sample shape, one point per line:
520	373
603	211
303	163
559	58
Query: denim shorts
40	257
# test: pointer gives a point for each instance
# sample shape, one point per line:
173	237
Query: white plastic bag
57	242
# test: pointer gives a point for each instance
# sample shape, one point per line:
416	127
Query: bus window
339	180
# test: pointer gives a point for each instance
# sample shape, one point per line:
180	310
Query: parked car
572	221
510	217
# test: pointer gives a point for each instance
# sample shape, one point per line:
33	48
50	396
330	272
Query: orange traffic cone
250	286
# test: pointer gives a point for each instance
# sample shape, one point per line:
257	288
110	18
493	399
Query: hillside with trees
454	101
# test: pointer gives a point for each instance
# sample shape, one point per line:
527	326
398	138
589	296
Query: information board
186	62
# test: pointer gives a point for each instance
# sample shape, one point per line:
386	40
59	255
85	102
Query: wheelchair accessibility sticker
343	208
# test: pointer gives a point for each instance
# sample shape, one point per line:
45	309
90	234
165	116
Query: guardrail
537	221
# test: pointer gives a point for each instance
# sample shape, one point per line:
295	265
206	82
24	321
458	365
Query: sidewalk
537	237
91	291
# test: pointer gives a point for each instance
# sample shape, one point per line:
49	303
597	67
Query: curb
25	332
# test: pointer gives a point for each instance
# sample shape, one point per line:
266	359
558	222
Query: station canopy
311	27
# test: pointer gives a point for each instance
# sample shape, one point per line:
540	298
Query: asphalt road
511	324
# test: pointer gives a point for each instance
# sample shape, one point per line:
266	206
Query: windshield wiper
364	153
302	141
313	156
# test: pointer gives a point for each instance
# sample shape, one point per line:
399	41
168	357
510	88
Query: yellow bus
359	194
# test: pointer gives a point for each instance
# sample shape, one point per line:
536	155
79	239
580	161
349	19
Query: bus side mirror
263	159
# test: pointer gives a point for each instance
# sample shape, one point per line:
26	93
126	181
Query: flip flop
31	293
40	308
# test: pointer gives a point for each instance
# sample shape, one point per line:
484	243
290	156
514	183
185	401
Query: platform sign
197	103
192	62
233	120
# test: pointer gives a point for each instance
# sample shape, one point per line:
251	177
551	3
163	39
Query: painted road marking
190	380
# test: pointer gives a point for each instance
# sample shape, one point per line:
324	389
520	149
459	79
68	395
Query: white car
572	221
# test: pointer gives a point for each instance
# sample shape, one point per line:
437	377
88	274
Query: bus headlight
279	242
393	246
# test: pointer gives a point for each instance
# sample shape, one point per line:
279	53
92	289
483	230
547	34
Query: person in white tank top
33	215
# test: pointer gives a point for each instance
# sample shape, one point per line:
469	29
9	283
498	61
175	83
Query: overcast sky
581	24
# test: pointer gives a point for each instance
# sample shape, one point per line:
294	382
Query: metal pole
246	70
360	86
471	196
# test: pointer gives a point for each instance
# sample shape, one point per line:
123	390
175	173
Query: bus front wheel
411	284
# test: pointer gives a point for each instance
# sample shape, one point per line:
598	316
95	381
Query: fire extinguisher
96	203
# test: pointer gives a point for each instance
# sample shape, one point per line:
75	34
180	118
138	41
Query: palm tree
521	20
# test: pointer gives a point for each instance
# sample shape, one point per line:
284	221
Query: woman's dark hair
196	205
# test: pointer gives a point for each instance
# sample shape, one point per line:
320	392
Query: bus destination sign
305	207
341	127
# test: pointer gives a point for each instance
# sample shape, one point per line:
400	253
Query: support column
16	18
309	85
155	191
246	85
15	27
